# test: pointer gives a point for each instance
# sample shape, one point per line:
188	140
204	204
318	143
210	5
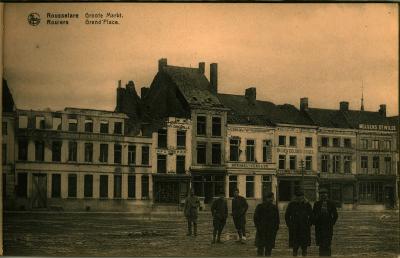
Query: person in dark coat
219	211
192	204
299	218
325	217
266	220
239	209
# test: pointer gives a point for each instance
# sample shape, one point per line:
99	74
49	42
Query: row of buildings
181	133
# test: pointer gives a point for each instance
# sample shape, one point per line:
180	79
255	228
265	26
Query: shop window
131	154
216	126
371	192
282	162
23	121
88	125
103	126
88	186
118	128
201	153
375	164
336	142
180	164
22	187
249	186
161	164
117	153
103	152
88	152
336	164
347	143
162	138
72	183
40	123
56	151
324	141
103	186
55	186
324	163
282	140
72	151
22	150
131	186
145	187
388	165
232	185
216	153
250	146
308	142
267	151
181	139
308	163
292	162
347	164
39	150
201	125
234	150
145	155
72	125
293	141
364	164
117	186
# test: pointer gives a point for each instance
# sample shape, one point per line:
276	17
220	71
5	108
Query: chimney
344	106
161	64
202	67
119	83
120	96
382	110
250	95
303	104
130	85
214	78
143	92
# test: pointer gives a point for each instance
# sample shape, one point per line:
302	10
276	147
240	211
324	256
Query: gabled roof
356	117
8	101
328	118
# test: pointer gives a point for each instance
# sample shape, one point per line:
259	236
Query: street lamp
302	173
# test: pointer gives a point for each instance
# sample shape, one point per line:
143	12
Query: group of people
299	218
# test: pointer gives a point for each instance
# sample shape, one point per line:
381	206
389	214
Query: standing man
266	220
219	211
298	219
239	209
192	204
325	217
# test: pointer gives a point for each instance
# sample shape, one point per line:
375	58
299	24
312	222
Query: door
389	197
39	191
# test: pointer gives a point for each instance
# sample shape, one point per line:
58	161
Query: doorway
39	191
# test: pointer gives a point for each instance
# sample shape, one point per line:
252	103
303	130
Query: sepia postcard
200	129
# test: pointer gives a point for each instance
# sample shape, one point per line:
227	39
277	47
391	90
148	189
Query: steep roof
8	101
328	118
356	117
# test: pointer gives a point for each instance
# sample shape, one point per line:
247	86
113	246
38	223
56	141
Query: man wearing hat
266	220
192	204
239	209
219	212
299	218
325	216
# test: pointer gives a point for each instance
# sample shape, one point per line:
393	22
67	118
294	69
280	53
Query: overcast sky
321	51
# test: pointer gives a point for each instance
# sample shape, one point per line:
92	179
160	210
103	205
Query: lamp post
302	173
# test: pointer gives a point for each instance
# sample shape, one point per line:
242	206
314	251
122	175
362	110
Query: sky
326	52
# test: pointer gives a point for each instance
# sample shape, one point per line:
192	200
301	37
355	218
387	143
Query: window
201	125
22	121
145	155
201	153
40	122
216	126
387	144
88	186
103	152
336	164
250	150
57	122
72	125
324	163
55	186
292	162
88	152
162	138
375	144
181	139
72	185
216	153
292	141
22	150
56	151
118	128
103	186
308	142
324	141
88	125
364	143
336	142
145	187
371	192
131	186
131	154
249	186
72	151
232	185
364	164
347	164
117	186
282	161
4	154
39	150
117	153
180	164
282	140
267	151
308	162
347	143
375	164
4	128
22	187
388	165
161	163
234	150
103	126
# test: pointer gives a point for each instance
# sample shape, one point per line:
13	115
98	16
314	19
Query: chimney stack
119	83
143	92
344	106
251	95
214	78
202	67
162	63
303	104
120	97
382	110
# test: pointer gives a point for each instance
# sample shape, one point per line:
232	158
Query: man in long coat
239	209
219	212
192	204
266	220
299	218
325	217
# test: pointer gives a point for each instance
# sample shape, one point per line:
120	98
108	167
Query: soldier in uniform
219	211
299	218
325	216
192	204
239	209
266	220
